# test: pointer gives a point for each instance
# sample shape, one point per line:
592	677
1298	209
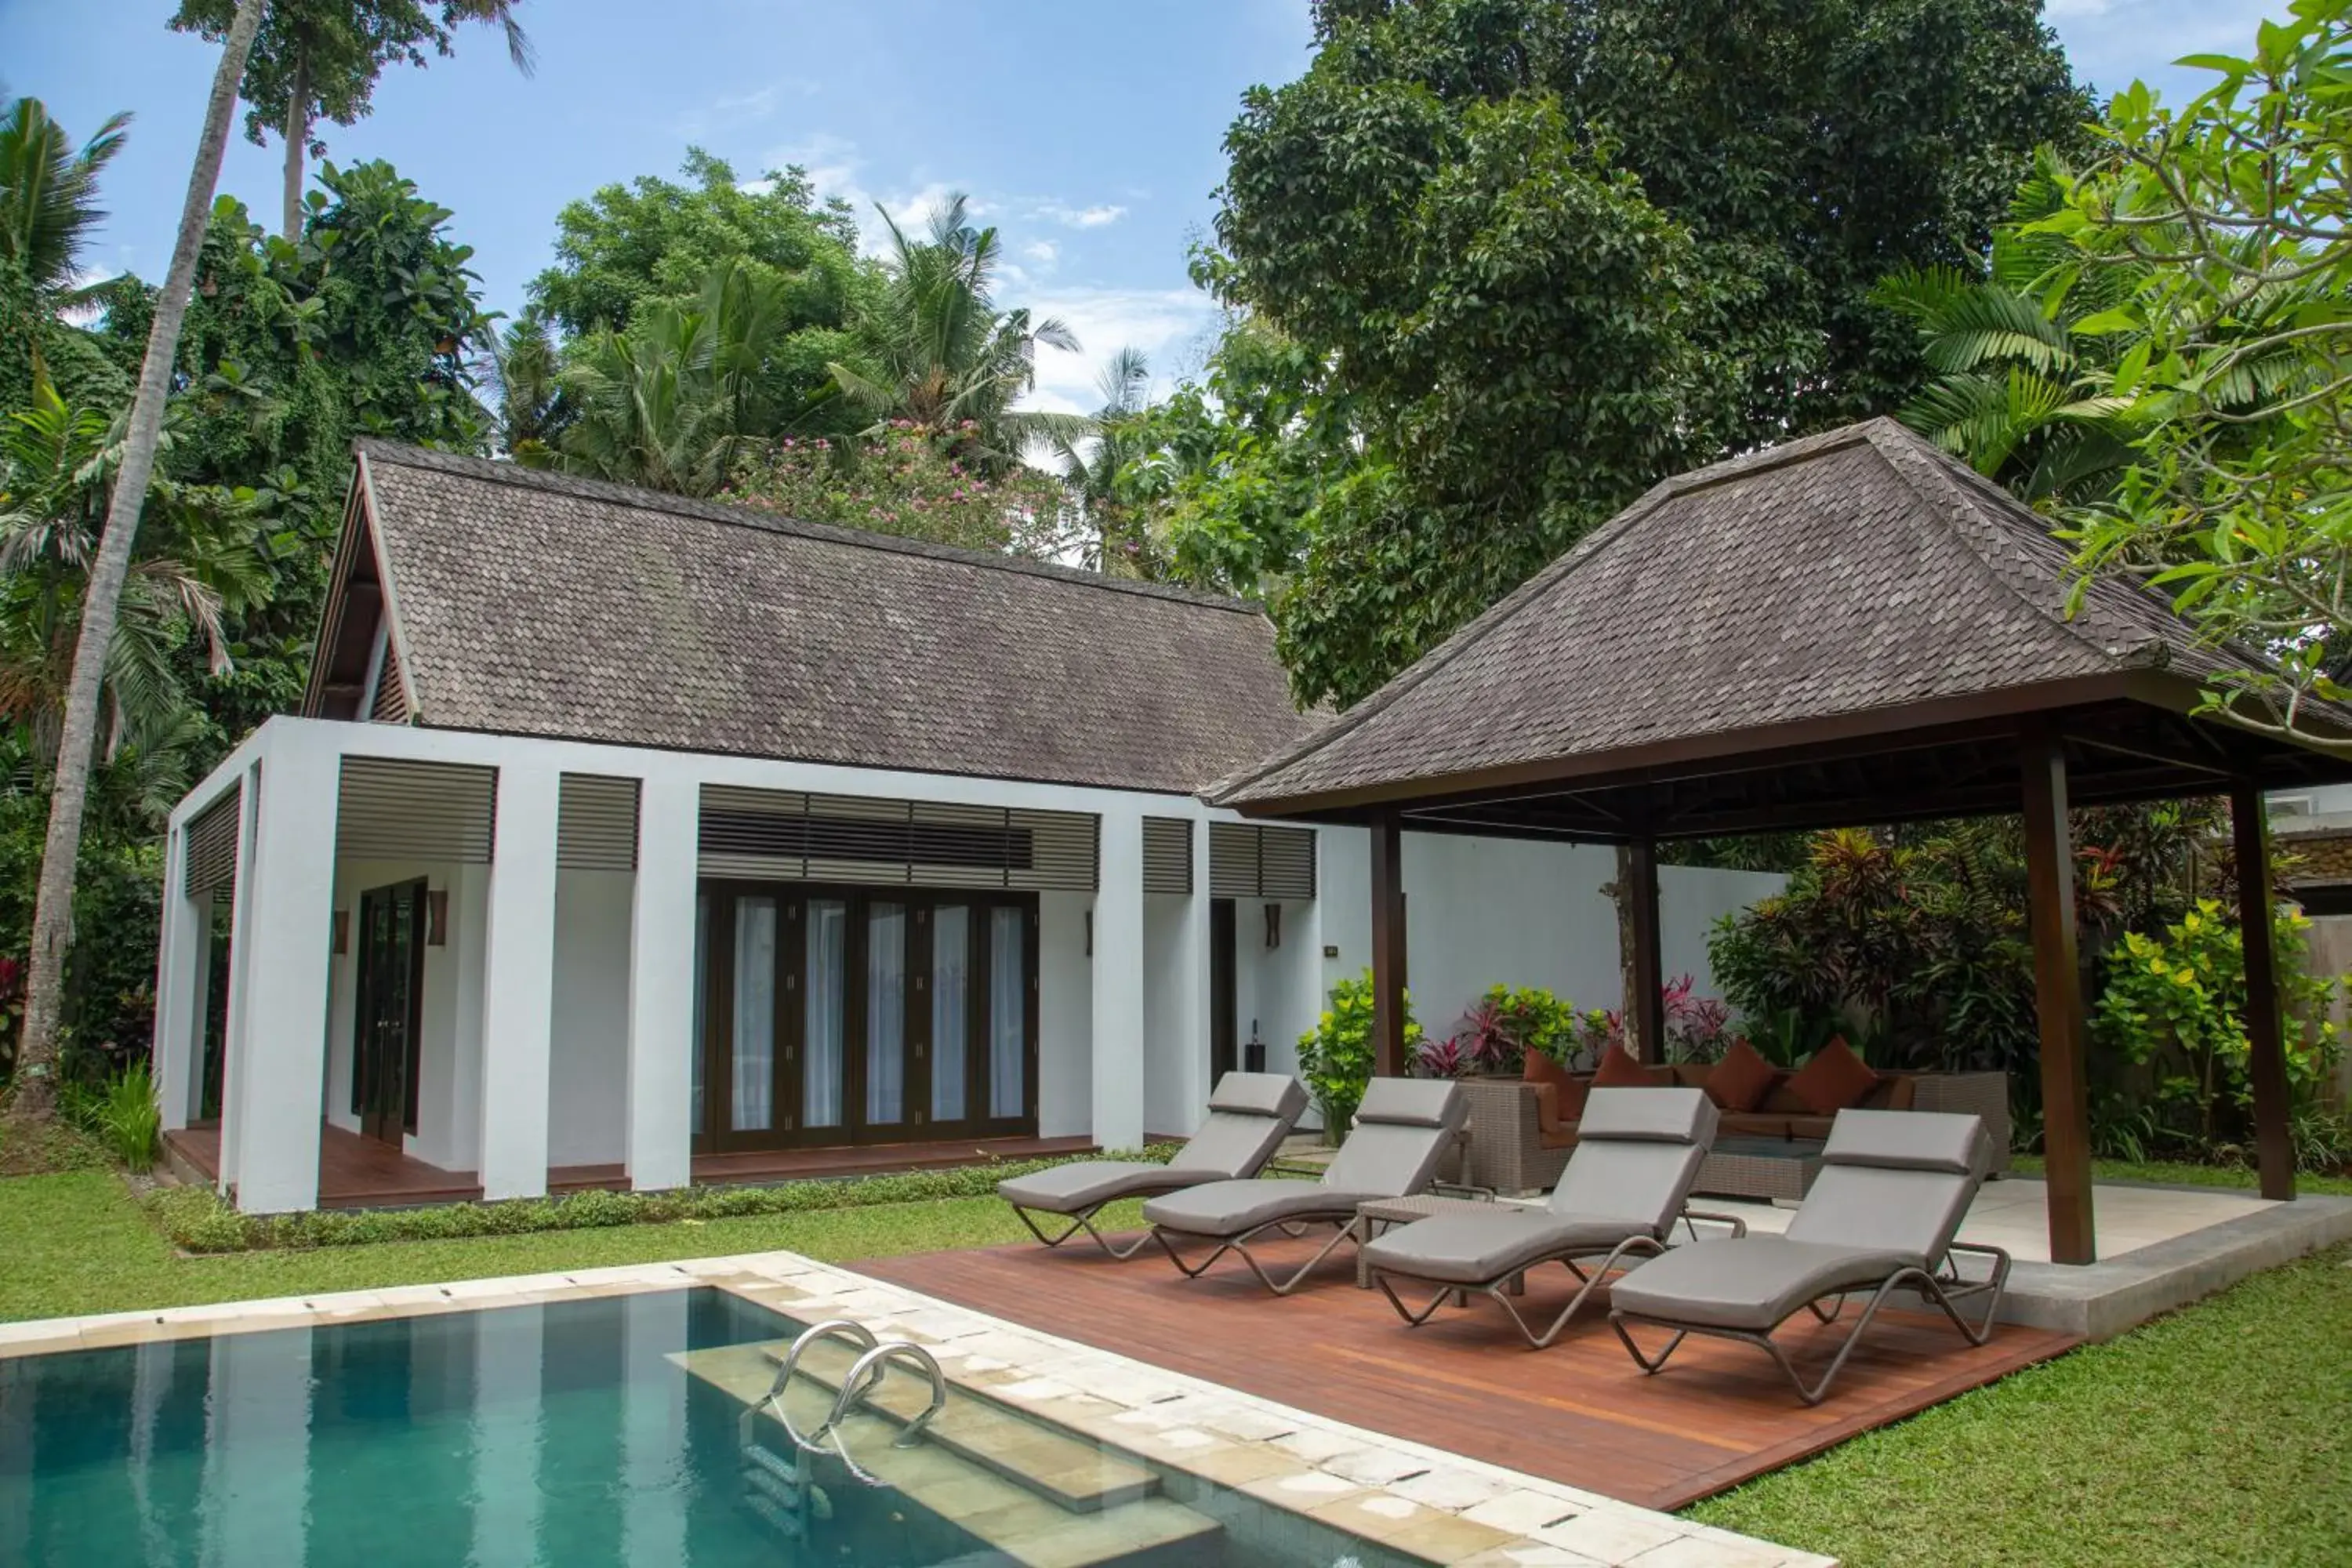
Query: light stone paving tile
1521	1512
1696	1551
1375	1516
1031	1389
1303	1490
1531	1555
1446	1538
1375	1467
1249	1423
1452	1490
1611	1535
1316	1444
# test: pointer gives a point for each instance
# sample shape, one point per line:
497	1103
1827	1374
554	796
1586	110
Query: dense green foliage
905	481
1551	251
1335	1057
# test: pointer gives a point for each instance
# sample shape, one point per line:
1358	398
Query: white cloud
835	168
1042	252
1159	321
2111	42
1069	217
734	111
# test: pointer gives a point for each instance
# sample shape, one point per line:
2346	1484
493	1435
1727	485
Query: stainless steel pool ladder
863	1376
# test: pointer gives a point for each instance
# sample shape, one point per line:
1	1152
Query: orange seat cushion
1741	1079
1833	1079
1565	1104
1618	1069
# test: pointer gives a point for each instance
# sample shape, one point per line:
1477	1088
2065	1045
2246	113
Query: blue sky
1088	131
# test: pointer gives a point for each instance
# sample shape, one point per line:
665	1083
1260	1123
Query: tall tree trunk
36	1094
297	143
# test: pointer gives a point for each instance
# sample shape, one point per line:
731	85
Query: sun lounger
1249	1116
1637	1152
1892	1190
1403	1128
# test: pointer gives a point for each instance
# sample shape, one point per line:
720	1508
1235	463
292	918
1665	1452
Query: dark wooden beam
2057	998
1387	946
1645	1009
2265	1043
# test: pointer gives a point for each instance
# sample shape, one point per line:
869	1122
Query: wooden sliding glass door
862	1015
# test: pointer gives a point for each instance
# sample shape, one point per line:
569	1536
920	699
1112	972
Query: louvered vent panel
1232	861
783	835
596	824
1247	861
391	691
211	862
397	810
1286	862
1167	855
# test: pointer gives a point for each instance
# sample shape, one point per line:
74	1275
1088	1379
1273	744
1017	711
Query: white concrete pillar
178	964
1119	984
240	949
1188	1008
661	985
284	941
518	984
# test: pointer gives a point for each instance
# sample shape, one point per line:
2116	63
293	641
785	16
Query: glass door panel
950	1009
701	1002
754	1080
886	1013
825	1019
1008	1011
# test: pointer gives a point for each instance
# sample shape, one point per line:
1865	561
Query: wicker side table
1371	1219
1769	1168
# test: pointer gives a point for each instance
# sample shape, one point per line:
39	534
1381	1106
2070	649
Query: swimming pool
605	1431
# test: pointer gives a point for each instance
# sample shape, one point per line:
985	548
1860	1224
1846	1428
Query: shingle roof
532	603
1857	569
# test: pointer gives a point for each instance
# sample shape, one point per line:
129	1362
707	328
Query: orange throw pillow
1835	1079
1741	1079
1618	1069
1565	1104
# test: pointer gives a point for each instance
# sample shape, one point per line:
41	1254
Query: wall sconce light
1330	950
1090	933
342	932
437	917
1274	925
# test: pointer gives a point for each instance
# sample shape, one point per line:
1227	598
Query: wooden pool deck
1580	1413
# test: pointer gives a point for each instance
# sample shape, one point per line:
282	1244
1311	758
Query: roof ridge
493	471
1451	648
1889	438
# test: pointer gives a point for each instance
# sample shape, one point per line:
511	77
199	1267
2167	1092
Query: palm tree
1106	465
675	400
948	360
48	195
35	1096
2020	390
521	368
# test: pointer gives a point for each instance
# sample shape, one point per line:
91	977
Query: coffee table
1780	1169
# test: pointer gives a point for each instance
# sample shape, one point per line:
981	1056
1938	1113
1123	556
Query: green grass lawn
2165	1172
75	1242
2220	1435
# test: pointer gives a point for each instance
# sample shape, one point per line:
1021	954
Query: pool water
553	1434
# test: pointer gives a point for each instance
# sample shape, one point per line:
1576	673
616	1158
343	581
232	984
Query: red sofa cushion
1833	1079
1741	1079
1618	1069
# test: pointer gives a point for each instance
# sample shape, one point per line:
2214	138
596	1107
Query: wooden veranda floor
1580	1413
355	1172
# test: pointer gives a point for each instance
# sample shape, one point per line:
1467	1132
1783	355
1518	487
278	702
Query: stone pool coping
1422	1501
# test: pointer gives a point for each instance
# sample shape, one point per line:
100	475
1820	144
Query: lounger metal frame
1642	1243
1083	1220
1292	1225
1945	1286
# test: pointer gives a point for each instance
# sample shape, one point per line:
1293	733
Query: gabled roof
524	602
1855	580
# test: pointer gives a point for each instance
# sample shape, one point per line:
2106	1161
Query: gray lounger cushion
1474	1248
1232	1208
1750	1283
1403	1128
1075	1189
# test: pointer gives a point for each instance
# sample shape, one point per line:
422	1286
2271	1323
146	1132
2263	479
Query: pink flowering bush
908	481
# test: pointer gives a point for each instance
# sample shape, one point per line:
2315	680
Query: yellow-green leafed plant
1335	1057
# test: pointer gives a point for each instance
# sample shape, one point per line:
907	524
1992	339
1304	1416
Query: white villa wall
1167	1078
1277	989
1488	911
588	1072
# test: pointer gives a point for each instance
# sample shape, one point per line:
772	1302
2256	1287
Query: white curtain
828	984
886	1013
701	958
755	1015
1008	1008
950	983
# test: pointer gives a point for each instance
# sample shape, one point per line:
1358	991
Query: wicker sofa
1521	1143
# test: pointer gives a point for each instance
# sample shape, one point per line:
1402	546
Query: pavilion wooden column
1387	946
1645	1008
2266	1047
2057	999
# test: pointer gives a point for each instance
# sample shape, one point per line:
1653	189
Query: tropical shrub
908	481
1335	1057
1698	1029
2174	1003
1499	1029
130	1120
